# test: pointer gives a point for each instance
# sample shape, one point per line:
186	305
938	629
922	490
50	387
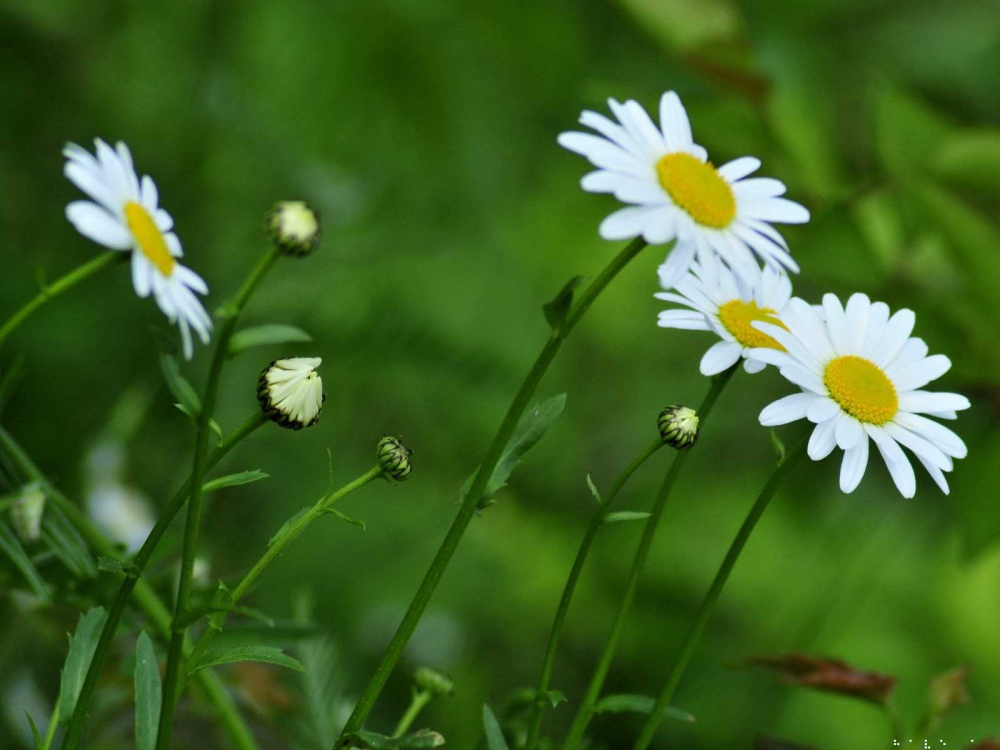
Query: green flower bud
433	682
678	426
27	511
291	393
393	458
294	227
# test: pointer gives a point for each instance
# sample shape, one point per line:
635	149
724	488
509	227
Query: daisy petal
852	468
720	356
823	440
96	224
787	409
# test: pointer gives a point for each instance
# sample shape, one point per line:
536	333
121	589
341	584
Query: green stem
143	592
581	556
275	548
192	526
50	732
586	710
708	603
420	699
62	284
468	509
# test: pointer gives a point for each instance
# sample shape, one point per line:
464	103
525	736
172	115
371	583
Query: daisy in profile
861	377
718	300
124	214
675	193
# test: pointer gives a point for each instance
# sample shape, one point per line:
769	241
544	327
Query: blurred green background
424	131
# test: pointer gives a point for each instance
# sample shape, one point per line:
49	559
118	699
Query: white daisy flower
677	194
724	303
861	376
125	215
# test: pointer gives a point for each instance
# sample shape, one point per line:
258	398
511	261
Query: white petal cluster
290	392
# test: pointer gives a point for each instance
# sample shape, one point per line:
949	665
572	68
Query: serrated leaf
34	732
114	565
265	335
594	491
626	515
529	431
234	480
494	735
179	386
638	704
148	694
288	525
423	738
11	546
265	654
345	517
556	310
81	650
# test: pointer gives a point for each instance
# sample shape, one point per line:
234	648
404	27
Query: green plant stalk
60	285
596	523
175	651
143	593
417	703
468	509
586	710
708	603
50	731
275	548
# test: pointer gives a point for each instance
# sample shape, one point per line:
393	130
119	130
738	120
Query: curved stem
62	284
586	709
567	595
420	699
708	603
275	548
192	524
144	594
468	509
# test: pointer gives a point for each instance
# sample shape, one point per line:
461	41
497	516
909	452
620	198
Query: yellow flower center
862	389
737	317
149	238
696	187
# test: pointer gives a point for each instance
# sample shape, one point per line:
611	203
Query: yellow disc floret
737	316
696	187
149	238
862	389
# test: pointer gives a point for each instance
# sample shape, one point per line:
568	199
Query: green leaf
970	159
222	603
81	650
212	424
907	133
181	389
638	704
625	515
494	735
266	654
556	310
234	480
424	738
11	377
287	525
265	335
66	544
345	517
11	546
114	565
529	431
594	491
212	611
34	732
778	445
148	694
554	697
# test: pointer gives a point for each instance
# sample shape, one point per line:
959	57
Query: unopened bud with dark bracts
294	227
393	458
290	392
678	426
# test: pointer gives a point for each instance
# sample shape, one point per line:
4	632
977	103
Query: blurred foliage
424	131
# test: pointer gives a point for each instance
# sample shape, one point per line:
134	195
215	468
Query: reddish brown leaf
829	675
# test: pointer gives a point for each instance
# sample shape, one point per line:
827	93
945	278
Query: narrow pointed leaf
81	650
494	735
419	740
11	546
265	335
179	386
626	515
266	654
148	693
638	704
114	565
34	732
287	525
556	310
234	480
594	491
345	517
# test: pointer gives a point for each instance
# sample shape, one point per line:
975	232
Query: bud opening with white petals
678	426
290	392
393	458
294	227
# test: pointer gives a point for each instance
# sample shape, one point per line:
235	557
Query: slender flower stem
50	732
708	603
468	509
192	525
143	593
586	709
275	548
581	556
60	285
420	699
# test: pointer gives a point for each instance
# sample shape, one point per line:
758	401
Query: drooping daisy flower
290	392
676	193
125	215
722	302
861	376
